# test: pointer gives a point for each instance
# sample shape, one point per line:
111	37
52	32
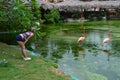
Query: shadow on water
88	60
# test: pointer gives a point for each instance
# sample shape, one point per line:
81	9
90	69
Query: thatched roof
77	5
46	5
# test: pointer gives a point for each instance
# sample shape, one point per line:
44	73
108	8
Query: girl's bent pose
22	39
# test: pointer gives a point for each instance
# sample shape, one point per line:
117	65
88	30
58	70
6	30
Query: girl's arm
28	38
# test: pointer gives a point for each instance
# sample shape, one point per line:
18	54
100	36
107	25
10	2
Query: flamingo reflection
107	52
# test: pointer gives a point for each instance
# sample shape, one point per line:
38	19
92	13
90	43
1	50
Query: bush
96	16
75	16
14	15
52	17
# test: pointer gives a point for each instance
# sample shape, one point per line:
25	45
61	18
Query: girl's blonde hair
32	29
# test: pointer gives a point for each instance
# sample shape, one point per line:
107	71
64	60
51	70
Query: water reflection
107	52
89	60
81	51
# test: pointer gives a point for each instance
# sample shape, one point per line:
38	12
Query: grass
13	67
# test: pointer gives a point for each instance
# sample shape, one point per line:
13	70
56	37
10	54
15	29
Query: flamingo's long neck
84	32
109	34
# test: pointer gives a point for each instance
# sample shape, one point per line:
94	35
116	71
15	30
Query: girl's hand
25	41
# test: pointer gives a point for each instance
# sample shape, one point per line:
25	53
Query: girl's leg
22	48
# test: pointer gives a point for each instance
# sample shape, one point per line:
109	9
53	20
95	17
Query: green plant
36	11
118	10
52	17
15	15
96	16
22	15
75	16
37	21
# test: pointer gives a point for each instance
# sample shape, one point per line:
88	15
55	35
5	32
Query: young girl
22	39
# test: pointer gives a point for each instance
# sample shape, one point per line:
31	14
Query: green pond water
88	60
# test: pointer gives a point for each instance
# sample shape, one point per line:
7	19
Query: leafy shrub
75	16
52	17
14	15
96	16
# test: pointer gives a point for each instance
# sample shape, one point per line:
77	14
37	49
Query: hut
107	9
82	9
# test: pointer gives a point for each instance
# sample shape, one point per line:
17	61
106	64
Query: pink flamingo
82	38
106	40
